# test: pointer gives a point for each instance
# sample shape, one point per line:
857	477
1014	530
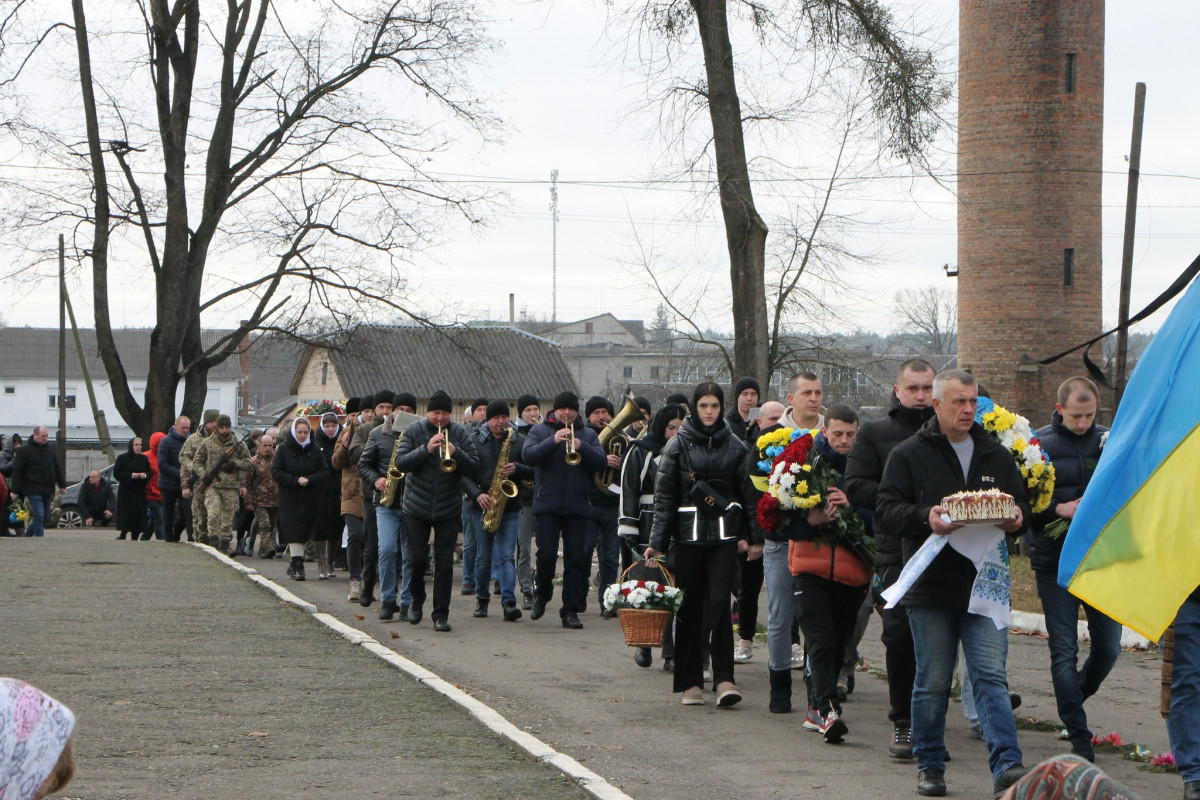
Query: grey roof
273	361
500	362
33	353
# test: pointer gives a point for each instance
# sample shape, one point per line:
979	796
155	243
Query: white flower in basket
648	595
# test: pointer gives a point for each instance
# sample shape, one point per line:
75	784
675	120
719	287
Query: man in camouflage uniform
221	495
262	496
188	474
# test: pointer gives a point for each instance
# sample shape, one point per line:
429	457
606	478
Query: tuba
615	443
448	464
394	476
573	457
502	489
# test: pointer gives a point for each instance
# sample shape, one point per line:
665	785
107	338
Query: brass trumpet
573	457
448	464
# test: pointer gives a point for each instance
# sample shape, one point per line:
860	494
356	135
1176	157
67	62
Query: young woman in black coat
132	471
327	525
300	472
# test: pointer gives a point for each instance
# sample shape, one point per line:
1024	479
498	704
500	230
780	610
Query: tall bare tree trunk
745	231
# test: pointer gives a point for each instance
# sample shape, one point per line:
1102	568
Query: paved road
209	655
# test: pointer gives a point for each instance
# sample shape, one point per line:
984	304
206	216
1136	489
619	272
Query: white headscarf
34	729
292	433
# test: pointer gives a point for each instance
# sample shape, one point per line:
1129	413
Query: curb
491	719
1036	623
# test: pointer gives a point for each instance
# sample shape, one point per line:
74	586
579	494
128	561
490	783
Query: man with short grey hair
36	472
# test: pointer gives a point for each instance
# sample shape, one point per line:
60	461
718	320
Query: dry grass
1023	589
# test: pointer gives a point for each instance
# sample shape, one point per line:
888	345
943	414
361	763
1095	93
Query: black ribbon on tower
1094	371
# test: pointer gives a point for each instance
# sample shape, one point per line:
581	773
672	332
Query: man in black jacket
389	538
952	453
603	509
876	439
177	510
36	473
496	549
1072	440
97	501
433	499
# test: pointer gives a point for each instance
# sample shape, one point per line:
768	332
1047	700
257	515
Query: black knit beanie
404	399
745	383
525	401
352	406
596	402
439	401
566	400
498	408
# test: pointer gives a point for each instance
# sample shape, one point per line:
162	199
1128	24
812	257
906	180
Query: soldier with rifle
220	461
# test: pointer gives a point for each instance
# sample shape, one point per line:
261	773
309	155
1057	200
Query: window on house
655	373
1069	74
626	372
1069	266
324	372
588	327
10	390
68	399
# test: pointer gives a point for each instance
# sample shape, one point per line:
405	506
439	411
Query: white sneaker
797	656
743	652
708	677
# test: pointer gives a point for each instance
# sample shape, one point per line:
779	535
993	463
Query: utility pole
60	438
97	412
554	245
1135	165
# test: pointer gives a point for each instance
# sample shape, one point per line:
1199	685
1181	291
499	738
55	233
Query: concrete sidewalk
189	681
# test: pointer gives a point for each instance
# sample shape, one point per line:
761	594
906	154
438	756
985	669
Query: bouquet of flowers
18	511
1013	431
647	595
314	408
797	479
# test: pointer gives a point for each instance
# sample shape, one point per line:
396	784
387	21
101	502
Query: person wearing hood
132	472
154	498
228	455
702	498
37	749
911	408
36	473
637	504
177	511
327	525
300	472
192	489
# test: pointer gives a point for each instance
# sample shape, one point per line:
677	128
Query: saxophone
502	489
394	476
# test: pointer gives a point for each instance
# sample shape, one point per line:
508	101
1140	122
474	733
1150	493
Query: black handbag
710	506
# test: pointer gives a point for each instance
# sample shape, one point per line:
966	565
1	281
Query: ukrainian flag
1133	548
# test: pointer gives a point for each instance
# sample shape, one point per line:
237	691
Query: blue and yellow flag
1133	548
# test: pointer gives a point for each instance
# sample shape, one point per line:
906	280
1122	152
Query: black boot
297	568
367	595
781	691
481	606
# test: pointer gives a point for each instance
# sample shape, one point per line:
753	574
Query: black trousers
899	655
573	532
370	548
354	544
177	515
750	583
707	576
445	536
827	611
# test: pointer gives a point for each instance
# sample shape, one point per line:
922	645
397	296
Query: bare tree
931	314
814	43
246	156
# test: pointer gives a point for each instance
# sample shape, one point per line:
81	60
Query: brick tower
1031	112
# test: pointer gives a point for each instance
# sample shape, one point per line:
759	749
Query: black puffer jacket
35	470
431	495
724	461
487	448
374	461
1074	457
638	474
168	461
875	441
298	504
919	473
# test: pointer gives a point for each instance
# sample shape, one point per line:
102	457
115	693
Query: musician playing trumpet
560	504
494	493
432	500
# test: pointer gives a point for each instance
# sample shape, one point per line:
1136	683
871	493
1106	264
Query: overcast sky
555	82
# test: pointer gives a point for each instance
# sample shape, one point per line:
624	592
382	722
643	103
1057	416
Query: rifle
211	475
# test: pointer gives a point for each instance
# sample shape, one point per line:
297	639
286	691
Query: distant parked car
70	513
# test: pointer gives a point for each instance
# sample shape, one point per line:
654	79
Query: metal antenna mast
554	244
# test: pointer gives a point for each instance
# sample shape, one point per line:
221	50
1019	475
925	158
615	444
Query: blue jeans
496	555
469	533
155	507
777	577
1072	685
1185	692
602	532
937	631
389	523
39	509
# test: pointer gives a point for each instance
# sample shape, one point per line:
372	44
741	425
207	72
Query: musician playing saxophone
435	454
375	465
501	472
560	506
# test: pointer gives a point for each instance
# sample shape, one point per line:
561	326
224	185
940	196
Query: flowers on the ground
1163	760
1013	431
312	408
1112	740
643	594
18	511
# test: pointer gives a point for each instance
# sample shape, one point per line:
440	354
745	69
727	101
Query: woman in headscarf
637	506
300	472
132	471
327	526
701	497
37	753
